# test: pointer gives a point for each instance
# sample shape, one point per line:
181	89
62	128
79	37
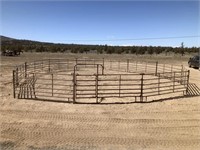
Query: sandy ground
37	125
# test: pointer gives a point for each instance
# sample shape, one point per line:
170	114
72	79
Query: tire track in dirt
43	128
52	136
89	117
97	124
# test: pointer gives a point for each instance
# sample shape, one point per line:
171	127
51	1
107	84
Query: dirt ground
38	125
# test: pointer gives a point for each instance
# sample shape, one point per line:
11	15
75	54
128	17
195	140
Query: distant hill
8	40
8	43
4	38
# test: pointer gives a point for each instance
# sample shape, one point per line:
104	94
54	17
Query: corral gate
86	85
98	86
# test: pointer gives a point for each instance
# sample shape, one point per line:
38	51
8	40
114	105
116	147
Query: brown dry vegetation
29	124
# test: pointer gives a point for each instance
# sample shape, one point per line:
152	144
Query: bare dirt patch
29	124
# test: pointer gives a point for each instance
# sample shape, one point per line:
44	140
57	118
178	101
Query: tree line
33	46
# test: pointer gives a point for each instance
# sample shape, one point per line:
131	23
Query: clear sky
101	22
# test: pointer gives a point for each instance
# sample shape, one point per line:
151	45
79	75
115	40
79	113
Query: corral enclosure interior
170	123
97	80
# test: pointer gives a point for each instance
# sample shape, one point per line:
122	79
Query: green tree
106	48
150	50
133	50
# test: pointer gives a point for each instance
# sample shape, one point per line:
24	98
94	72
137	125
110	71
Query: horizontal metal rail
51	77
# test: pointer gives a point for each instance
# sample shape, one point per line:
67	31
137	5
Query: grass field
38	125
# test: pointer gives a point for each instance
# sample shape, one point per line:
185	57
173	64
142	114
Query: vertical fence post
85	62
158	83
25	69
60	64
188	78
42	65
34	65
181	82
49	66
14	78
103	62
34	84
17	76
102	69
97	68
174	78
136	66
171	70
74	87
24	91
127	65
52	83
119	85
141	88
156	69
96	90
146	67
27	89
118	65
163	69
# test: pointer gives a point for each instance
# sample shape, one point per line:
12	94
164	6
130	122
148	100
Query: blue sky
87	22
